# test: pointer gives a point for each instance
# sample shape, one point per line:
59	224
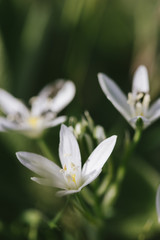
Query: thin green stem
81	206
131	147
53	223
45	150
114	189
128	153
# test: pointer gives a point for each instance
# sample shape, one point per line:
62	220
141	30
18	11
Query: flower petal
55	122
63	97
115	95
69	149
158	203
11	105
40	105
66	192
140	80
154	111
48	182
6	124
99	156
42	166
60	94
87	179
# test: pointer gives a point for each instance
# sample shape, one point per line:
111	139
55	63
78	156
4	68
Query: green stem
45	150
130	149
54	221
84	210
128	153
114	189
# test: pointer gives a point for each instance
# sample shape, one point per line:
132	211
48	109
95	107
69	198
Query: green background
41	41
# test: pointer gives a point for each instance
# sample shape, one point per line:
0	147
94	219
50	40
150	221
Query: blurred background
41	41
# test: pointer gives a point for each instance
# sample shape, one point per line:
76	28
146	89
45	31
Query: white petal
39	105
115	95
63	97
48	182
55	122
146	122
69	149
66	192
11	105
90	177
140	80
41	165
158	203
99	156
60	92
154	111
6	124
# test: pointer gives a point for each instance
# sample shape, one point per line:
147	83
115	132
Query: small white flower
71	178
137	104
44	109
158	203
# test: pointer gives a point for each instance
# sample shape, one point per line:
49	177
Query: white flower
71	178
158	203
137	104
44	109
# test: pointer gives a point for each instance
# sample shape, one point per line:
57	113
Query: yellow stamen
74	178
65	168
33	121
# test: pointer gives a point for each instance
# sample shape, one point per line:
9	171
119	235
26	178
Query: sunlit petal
99	156
50	181
115	95
87	179
68	148
140	80
40	165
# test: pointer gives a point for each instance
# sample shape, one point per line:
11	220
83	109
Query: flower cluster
71	177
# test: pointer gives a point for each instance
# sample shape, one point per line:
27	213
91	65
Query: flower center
33	121
139	103
70	174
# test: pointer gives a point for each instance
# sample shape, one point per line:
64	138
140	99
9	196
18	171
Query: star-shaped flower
44	109
71	178
137	104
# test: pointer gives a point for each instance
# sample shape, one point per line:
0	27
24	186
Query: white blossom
43	112
137	104
71	177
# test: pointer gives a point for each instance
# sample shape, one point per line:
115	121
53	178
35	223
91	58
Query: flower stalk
45	150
